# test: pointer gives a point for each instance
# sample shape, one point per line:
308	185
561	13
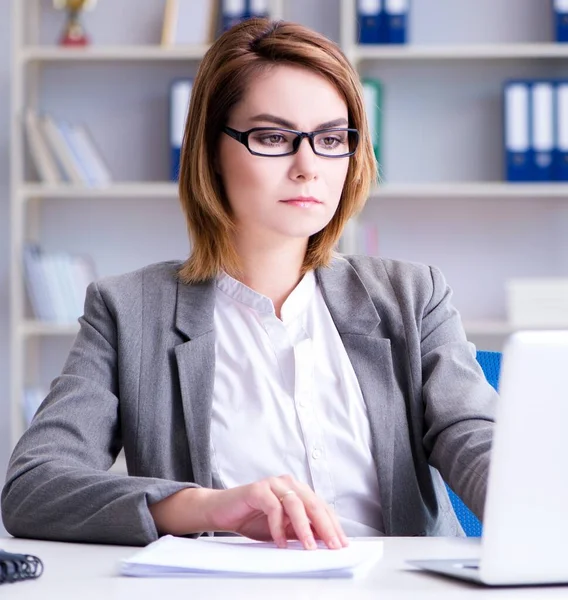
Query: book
56	283
189	22
44	162
66	158
94	167
178	557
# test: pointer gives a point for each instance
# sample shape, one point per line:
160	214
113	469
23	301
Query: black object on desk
19	567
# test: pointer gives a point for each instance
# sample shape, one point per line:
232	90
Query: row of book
189	22
180	97
382	21
536	130
62	152
56	283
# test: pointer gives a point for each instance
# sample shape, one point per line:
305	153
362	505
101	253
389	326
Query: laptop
525	526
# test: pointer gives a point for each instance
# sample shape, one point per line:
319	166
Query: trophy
74	33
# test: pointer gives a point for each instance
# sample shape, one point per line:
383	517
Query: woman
265	386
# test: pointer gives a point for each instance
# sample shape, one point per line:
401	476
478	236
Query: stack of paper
182	557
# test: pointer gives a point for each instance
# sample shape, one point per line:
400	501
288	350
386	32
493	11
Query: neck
272	270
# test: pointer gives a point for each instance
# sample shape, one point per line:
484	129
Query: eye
273	138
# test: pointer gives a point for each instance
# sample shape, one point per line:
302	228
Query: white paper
178	557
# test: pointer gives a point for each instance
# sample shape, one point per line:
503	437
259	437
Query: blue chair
491	364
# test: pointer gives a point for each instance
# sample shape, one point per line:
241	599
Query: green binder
373	95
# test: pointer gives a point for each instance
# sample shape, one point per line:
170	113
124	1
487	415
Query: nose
304	164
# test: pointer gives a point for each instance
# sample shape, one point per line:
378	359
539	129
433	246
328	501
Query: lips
304	199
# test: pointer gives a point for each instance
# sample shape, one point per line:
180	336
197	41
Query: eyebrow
267	118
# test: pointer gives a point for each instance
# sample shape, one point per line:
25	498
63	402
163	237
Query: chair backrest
491	364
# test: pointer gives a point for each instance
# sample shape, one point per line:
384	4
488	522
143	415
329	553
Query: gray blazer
140	376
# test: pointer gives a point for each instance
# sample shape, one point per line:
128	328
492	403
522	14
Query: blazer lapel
196	366
357	322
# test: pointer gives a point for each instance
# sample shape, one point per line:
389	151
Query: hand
276	508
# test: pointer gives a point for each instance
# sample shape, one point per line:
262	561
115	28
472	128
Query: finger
269	504
275	516
296	512
335	520
322	522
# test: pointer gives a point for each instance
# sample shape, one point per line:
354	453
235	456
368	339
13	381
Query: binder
517	130
370	21
180	95
560	155
232	12
395	21
372	94
257	8
561	20
542	130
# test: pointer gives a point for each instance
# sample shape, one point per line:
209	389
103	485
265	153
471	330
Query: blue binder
370	21
560	155
180	95
233	12
395	21
542	130
561	20
517	125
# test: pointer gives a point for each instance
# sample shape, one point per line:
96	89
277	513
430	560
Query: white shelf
112	53
361	52
31	328
482	327
461	52
419	190
500	328
115	190
472	190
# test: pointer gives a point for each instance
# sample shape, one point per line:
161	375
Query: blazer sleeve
459	403
57	484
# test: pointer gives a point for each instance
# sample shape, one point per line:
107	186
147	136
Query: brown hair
221	81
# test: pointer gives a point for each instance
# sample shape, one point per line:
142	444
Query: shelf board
31	328
147	52
150	52
472	190
116	190
500	328
461	52
390	190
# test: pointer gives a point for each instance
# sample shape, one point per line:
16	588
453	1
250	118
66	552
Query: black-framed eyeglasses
273	141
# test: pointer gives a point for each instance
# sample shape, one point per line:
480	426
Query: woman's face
259	188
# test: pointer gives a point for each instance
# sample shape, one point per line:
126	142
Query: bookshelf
32	340
442	98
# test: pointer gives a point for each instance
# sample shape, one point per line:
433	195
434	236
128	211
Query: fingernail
334	543
311	543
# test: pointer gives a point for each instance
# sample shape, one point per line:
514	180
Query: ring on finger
288	493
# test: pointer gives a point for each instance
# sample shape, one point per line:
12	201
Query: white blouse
286	401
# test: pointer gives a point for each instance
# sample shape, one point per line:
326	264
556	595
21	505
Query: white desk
85	572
